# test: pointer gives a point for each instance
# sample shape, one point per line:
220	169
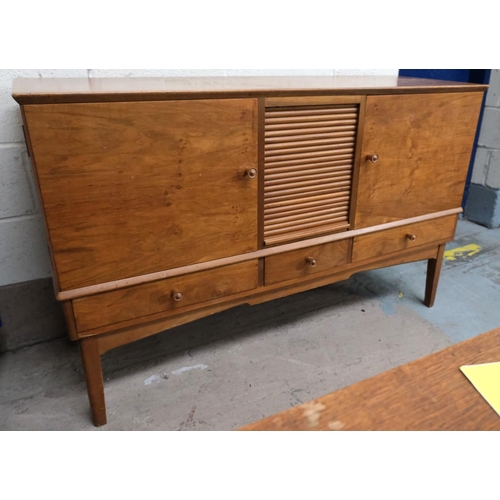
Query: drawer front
306	262
164	296
403	238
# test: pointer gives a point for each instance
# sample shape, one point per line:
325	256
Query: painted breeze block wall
483	204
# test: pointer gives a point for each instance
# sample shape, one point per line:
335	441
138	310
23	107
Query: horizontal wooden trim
309	148
288	182
302	223
334	187
343	120
308	116
280	139
277	148
307	111
282	217
341	161
320	129
259	254
276	213
89	90
306	198
311	100
321	160
313	153
298	173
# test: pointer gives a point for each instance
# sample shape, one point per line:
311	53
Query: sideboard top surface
80	90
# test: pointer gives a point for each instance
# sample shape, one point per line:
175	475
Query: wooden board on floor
427	394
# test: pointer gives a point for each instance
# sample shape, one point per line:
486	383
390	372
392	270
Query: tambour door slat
304	207
312	175
305	130
304	161
310	172
293	200
308	169
301	144
283	137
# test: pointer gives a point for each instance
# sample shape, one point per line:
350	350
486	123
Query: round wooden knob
252	173
178	296
411	237
373	158
312	262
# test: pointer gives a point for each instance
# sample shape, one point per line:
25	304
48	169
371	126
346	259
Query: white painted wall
23	246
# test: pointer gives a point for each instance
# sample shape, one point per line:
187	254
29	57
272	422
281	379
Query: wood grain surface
271	292
143	300
293	265
424	144
130	189
66	90
395	240
430	394
266	252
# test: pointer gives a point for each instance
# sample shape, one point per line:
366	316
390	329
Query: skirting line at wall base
29	315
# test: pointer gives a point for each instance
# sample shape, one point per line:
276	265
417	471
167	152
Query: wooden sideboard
167	200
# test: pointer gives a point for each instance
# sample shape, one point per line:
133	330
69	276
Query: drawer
306	262
403	238
164	296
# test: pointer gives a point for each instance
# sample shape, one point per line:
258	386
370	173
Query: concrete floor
248	363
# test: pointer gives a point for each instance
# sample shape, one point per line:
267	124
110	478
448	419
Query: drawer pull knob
252	173
411	237
373	158
178	296
312	262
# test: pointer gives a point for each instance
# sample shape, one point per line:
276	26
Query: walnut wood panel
430	394
65	90
424	145
151	298
134	330
403	238
309	153
134	188
260	254
306	262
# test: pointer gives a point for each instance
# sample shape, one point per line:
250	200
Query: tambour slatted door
309	160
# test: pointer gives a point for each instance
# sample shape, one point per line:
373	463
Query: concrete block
24	254
29	314
493	173
493	97
481	166
490	129
483	206
17	189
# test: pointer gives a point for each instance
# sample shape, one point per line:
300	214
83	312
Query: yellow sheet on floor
486	379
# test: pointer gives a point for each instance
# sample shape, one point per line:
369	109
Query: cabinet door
140	187
423	143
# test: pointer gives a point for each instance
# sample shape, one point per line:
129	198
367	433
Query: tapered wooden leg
433	273
91	359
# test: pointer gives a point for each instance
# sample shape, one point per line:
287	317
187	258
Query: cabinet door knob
411	237
252	173
178	296
373	158
312	262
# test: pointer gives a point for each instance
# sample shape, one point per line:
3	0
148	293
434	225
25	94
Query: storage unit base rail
167	200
